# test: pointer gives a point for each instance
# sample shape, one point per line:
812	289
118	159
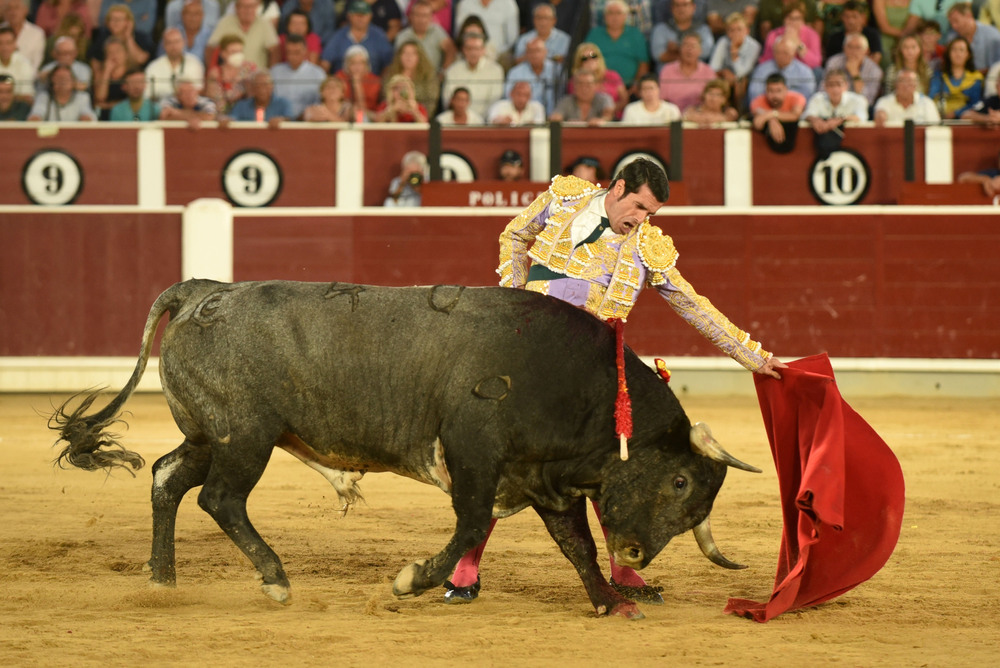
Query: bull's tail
89	444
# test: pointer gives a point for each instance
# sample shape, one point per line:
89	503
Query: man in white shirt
163	72
650	109
16	66
30	38
260	40
483	77
834	105
906	103
518	108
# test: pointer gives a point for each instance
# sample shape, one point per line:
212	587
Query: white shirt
23	73
635	113
485	83
161	75
922	110
501	17
533	113
588	219
851	104
448	118
31	44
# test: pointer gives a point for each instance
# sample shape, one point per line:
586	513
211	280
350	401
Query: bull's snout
631	556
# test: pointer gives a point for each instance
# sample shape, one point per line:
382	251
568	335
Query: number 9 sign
251	178
52	177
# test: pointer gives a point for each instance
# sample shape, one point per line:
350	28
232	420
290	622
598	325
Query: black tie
596	234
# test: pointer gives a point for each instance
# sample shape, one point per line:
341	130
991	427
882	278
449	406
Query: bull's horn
703	534
705	444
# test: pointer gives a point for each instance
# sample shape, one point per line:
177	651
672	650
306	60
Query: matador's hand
769	368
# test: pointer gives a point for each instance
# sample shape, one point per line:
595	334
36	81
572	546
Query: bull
502	398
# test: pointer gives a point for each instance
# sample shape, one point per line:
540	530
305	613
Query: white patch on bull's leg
403	585
439	471
279	593
164	472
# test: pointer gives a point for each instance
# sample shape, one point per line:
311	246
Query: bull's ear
705	444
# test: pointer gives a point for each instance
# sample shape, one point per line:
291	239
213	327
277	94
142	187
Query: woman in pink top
588	58
808	48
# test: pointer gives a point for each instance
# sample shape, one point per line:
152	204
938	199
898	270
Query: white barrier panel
207	240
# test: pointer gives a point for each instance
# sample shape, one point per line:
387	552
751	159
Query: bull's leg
473	491
572	533
173	475
234	472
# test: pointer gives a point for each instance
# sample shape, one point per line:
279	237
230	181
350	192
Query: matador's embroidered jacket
606	274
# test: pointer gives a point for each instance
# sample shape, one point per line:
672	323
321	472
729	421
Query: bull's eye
680	482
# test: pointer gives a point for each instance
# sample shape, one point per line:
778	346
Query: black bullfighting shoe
645	594
461	594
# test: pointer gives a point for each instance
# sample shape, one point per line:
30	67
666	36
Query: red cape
841	490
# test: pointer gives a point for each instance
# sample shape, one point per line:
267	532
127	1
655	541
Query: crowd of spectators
503	62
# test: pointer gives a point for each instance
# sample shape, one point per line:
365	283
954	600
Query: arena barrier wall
904	298
304	165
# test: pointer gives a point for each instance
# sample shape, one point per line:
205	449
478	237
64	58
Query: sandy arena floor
72	546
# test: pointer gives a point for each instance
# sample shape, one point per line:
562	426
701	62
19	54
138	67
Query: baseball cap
510	157
359	7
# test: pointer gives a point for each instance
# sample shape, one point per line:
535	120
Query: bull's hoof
628	610
162	584
643	594
461	594
405	584
280	593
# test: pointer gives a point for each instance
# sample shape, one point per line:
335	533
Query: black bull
502	398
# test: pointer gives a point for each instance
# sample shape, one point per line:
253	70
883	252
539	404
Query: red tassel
623	404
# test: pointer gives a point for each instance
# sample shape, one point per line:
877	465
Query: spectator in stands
483	77
362	86
854	19
473	25
386	14
61	101
588	58
16	66
459	111
922	11
404	190
119	23
503	19
992	83
71	26
262	105
436	43
776	113
989	13
65	52
828	110
865	74
807	43
187	105
556	41
665	40
542	73
798	76
713	106
260	39
320	15
588	167
333	105
50	13
623	46
296	79
11	108
682	81
443	13
136	106
650	109
400	104
929	34
162	72
229	80
30	39
718	13
358	31
586	104
411	60
771	14
143	13
734	57
299	24
195	29
906	103
984	40
908	56
957	86
511	166
109	84
517	108
209	10
988	178
889	18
